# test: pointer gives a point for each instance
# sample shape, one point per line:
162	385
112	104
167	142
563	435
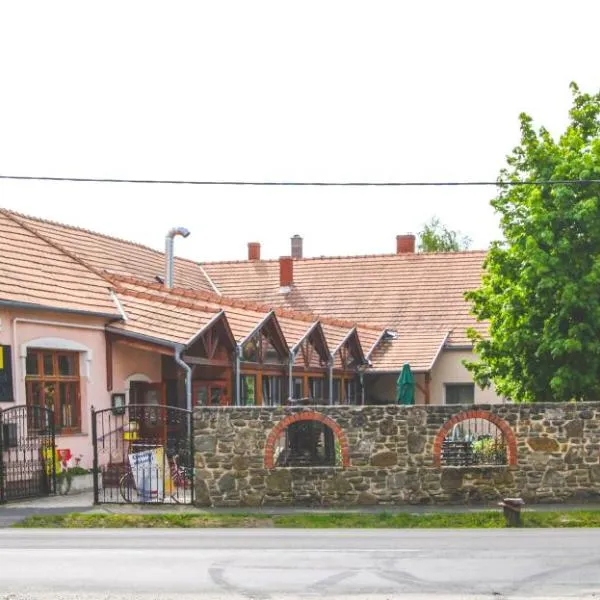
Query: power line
305	183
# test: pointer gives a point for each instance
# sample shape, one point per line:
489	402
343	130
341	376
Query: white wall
449	369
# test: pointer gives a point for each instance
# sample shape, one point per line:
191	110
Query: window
259	349
337	390
350	385
460	393
298	388
269	354
272	390
315	385
52	381
250	350
474	441
248	390
307	444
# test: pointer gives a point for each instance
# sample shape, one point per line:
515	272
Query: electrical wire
305	183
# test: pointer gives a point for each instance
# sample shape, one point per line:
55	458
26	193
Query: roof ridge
92	232
15	217
343	257
230	302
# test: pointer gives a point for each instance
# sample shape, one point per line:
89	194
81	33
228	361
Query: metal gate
27	452
143	453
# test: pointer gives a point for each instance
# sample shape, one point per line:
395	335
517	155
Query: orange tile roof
176	315
394	291
418	295
34	271
117	256
419	348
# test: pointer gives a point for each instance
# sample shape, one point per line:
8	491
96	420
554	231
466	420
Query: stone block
337	485
386	458
574	429
416	443
279	481
226	483
543	444
367	499
206	444
452	479
252	499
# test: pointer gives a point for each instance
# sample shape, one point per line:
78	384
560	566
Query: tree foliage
541	287
435	237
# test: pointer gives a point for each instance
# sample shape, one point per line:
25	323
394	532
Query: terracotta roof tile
391	291
176	315
34	271
118	256
417	347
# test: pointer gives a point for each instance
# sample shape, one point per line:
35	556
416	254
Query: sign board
6	378
151	476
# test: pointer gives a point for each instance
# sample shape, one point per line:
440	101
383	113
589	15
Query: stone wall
391	456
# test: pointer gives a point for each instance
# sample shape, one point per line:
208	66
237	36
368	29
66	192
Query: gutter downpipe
188	377
291	375
238	375
331	381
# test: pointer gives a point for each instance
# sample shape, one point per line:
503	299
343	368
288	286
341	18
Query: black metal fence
474	442
27	452
143	454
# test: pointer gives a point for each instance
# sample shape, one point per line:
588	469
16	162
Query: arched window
307	444
475	437
306	439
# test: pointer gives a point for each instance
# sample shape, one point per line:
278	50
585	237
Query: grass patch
475	520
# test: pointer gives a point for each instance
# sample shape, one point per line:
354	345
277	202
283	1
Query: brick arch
509	436
307	415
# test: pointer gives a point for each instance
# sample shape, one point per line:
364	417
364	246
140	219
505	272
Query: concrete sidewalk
55	505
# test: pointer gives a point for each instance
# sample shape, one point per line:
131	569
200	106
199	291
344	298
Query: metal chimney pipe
182	231
296	246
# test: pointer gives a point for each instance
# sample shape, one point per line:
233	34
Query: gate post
1	458
192	455
53	430
95	469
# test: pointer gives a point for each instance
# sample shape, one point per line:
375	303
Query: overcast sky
324	90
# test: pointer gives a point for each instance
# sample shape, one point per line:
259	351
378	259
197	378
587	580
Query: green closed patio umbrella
405	386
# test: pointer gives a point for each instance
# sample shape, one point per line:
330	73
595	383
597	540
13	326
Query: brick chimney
297	246
286	273
253	250
405	244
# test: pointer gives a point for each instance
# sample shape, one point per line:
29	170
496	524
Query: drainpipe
182	231
361	376
331	381
238	376
291	375
188	378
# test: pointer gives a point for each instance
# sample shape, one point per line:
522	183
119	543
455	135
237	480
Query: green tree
541	286
435	237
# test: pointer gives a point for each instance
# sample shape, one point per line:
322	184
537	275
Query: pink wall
131	364
85	335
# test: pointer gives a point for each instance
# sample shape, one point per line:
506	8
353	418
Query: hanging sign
6	379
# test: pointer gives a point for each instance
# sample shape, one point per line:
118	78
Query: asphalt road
276	564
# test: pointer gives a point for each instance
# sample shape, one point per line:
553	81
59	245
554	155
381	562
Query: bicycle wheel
127	486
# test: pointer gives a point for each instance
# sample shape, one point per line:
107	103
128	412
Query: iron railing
27	452
474	442
143	454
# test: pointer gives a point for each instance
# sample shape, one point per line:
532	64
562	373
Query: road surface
277	564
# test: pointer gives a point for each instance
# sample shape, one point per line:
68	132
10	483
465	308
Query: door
211	393
148	401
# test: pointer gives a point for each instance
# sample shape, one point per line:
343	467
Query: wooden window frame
56	379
